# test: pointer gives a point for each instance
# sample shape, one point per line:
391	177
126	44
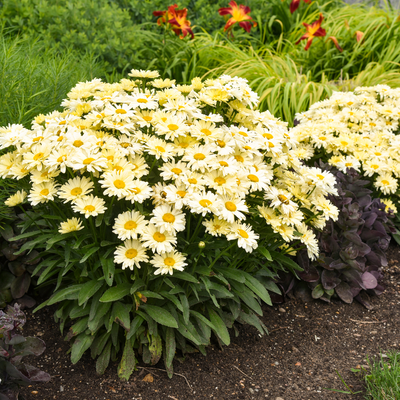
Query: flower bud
202	245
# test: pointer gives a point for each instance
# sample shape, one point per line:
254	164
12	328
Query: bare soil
298	360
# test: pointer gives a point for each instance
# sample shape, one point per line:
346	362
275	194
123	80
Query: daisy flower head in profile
130	254
159	242
166	263
89	205
16	198
140	73
70	225
129	225
168	219
75	188
245	236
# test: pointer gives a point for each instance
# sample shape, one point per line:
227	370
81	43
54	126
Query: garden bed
307	343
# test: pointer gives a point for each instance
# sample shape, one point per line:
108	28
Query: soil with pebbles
308	345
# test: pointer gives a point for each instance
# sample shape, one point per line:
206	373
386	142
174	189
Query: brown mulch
306	345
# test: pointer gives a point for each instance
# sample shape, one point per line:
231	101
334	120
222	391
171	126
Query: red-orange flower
239	14
359	36
313	30
294	5
177	18
335	42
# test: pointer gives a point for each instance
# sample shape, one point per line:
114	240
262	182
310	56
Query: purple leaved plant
15	373
353	248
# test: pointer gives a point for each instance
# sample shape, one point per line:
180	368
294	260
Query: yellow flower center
36	139
61	159
173	127
221	143
146	118
120	111
323	138
271	145
131	253
349	103
253	178
348	164
239	158
37	156
110	158
283	199
160	149
60	138
117	168
62	122
192	181
344	143
89	208
230	206
199	156
124	145
223	164
130	225
159	237
136	190
219	180
206	131
176	171
119	184
205	202
268	136
385	182
76	191
243	233
44	192
374	166
243	133
372	124
169	261
142	101
168	217
181	193
378	153
217	227
320	176
87	161
78	143
184	145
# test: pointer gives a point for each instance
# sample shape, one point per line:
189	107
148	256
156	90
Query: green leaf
185	276
57	238
285	260
78	327
88	290
135	325
220	328
25	235
104	359
173	299
185	305
78	243
247	296
81	344
98	344
262	250
189	331
88	254
160	315
253	320
258	289
271	286
155	348
207	284
137	284
108	269
115	293
150	294
170	346
128	362
120	315
70	293
317	292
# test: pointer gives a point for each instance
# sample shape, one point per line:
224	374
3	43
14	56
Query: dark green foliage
15	267
352	249
14	372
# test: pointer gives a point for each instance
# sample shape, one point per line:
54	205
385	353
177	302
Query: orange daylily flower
239	14
294	5
177	18
336	43
313	30
359	36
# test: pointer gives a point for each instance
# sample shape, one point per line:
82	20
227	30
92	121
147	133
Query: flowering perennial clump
356	130
164	152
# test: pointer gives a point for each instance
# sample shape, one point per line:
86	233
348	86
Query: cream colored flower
16	198
71	225
130	254
166	263
129	225
90	205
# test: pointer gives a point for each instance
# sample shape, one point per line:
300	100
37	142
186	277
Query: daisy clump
171	202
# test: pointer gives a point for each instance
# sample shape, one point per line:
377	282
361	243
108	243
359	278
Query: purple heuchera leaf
369	280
